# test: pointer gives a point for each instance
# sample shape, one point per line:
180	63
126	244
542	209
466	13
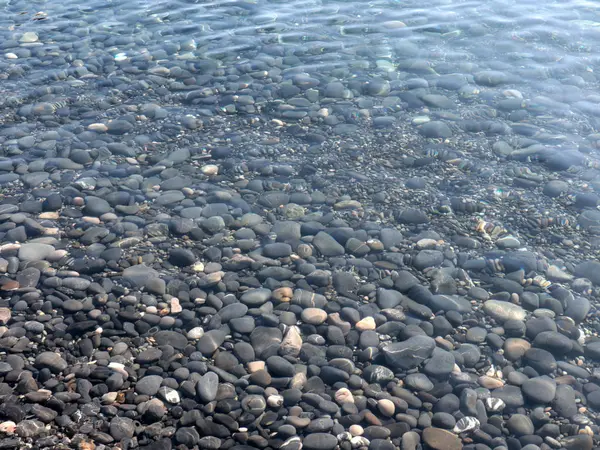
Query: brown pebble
490	382
10	285
439	439
371	418
298	422
356	430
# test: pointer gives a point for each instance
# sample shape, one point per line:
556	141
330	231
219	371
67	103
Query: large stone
211	341
540	390
503	311
320	441
35	251
439	439
52	361
263	338
410	353
139	274
327	245
589	270
122	428
207	387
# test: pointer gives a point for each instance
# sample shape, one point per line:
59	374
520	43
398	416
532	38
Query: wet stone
503	311
435	129
149	385
410	353
319	441
440	439
122	428
52	361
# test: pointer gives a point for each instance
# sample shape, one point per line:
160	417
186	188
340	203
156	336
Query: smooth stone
589	270
52	361
439	439
539	389
520	425
207	387
428	258
172	338
181	257
327	245
319	441
149	385
211	341
139	274
122	428
313	316
435	129
503	311
35	251
410	353
255	297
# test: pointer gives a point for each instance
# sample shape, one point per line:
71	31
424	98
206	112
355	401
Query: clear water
521	72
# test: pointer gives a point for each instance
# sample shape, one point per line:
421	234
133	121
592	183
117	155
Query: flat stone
327	245
210	342
122	428
207	387
503	311
139	274
149	385
172	338
35	251
439	439
540	390
52	361
314	316
410	353
319	441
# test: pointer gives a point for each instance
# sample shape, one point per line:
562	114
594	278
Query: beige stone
386	407
368	323
343	395
255	366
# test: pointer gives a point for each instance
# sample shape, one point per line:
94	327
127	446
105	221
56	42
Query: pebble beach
270	225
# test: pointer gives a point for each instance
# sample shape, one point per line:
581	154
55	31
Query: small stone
5	315
181	257
210	169
8	427
195	333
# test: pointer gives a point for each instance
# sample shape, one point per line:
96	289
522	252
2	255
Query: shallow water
430	168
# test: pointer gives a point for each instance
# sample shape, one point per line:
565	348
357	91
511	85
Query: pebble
440	439
503	311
